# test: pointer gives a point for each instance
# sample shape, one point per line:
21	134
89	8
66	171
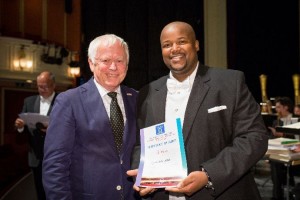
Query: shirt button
121	161
118	187
176	109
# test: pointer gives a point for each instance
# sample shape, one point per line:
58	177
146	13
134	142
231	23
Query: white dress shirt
177	98
107	99
45	104
287	120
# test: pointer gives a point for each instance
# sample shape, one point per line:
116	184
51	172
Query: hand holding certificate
32	118
163	159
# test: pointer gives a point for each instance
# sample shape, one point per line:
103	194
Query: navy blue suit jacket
81	160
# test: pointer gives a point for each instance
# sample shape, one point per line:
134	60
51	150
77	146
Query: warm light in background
22	62
74	68
74	71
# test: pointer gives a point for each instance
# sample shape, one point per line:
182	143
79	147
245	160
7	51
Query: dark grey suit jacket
32	105
227	143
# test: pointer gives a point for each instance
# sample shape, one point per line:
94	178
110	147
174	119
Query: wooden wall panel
11	110
74	27
27	19
33	19
10	20
55	21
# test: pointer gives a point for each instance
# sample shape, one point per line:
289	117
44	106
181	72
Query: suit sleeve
135	156
57	150
140	123
249	139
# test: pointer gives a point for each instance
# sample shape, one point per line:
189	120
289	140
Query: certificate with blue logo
163	159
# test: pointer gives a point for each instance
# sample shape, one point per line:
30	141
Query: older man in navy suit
84	158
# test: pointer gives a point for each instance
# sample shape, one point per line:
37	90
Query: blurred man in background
42	104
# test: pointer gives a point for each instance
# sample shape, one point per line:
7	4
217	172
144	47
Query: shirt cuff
20	130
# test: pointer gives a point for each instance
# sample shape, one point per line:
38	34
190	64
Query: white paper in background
31	119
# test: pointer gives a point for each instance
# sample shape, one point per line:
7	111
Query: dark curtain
263	38
140	24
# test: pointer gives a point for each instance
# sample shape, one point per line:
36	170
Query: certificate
163	159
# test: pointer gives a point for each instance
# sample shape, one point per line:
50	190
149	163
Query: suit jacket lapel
198	93
51	105
158	107
126	95
36	107
95	110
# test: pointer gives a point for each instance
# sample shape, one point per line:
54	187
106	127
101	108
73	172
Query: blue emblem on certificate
160	129
163	160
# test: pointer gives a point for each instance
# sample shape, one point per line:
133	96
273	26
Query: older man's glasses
44	87
108	62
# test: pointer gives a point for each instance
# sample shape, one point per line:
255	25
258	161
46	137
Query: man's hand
44	129
19	123
191	184
297	149
275	133
141	190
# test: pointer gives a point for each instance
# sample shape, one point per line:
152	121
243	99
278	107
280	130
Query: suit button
119	187
121	162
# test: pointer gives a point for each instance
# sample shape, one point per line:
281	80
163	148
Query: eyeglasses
108	62
44	87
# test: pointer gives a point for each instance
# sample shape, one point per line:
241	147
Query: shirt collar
104	91
288	117
49	99
190	78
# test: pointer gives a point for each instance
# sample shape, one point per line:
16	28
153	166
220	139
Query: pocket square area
217	108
